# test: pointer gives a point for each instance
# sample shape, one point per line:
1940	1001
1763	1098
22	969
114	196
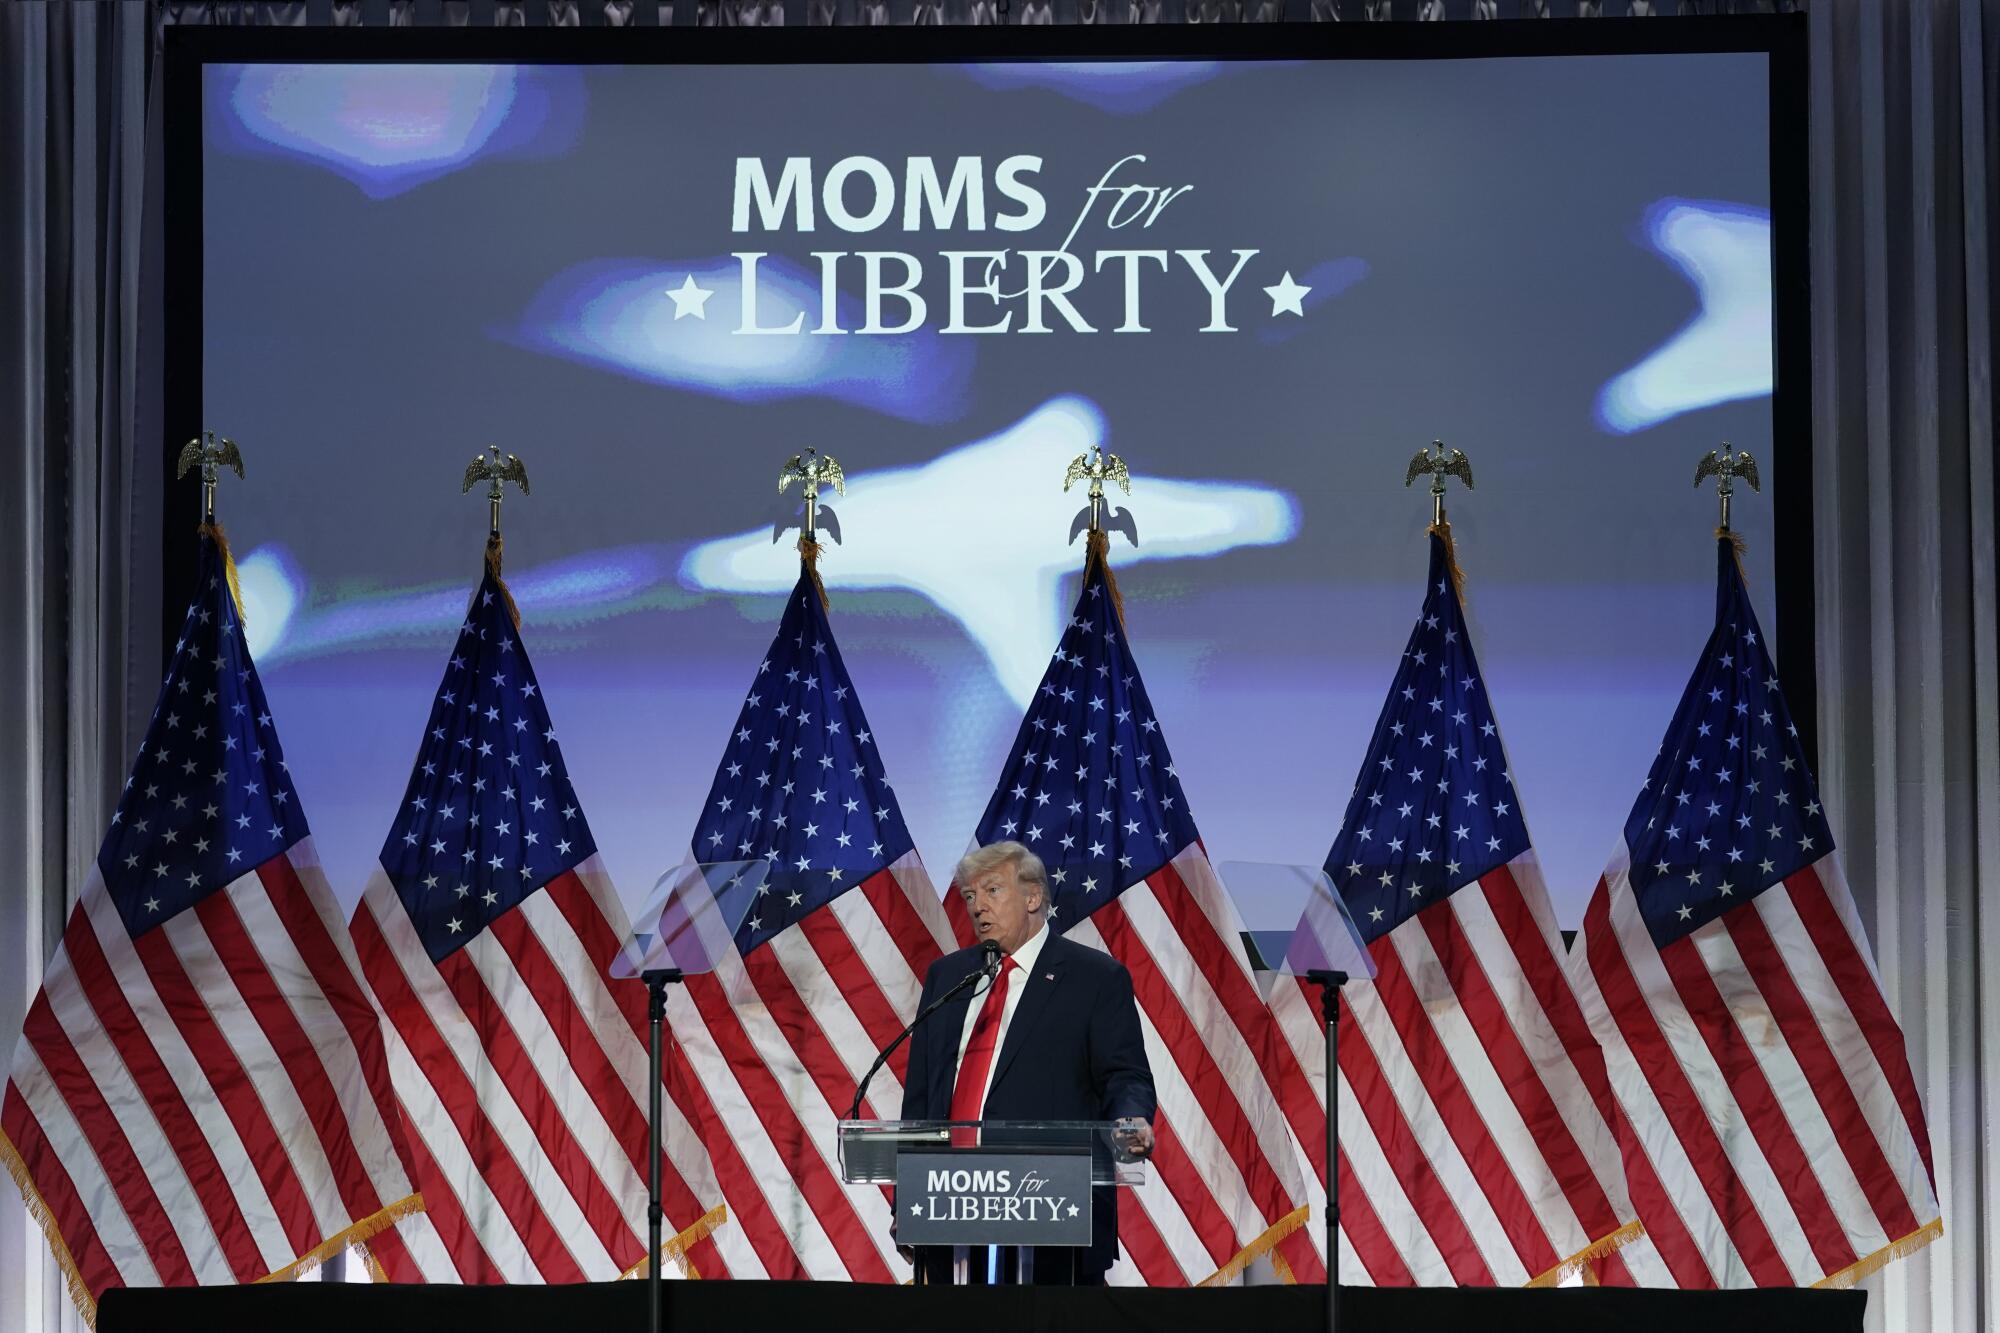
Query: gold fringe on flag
1097	551
1894	1250
1597	1249
1283	1268
1580	1262
86	1303
1260	1247
376	1273
677	1247
494	549
1442	531
809	557
213	531
1736	545
79	1294
352	1237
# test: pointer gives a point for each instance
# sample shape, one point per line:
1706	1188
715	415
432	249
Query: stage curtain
1903	141
79	622
892	13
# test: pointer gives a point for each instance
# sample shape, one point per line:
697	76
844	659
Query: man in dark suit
1054	1037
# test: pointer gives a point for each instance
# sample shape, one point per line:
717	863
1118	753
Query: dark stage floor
751	1307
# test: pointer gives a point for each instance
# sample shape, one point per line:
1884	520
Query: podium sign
993	1196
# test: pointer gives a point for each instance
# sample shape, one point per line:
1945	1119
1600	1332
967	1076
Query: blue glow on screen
1125	88
390	128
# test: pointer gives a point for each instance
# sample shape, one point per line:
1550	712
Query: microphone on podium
989	968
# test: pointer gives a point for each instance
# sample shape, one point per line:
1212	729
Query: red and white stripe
1223	1185
206	1103
1775	1137
521	1070
767	1051
1476	1133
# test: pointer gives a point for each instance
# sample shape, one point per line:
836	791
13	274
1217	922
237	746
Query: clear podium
969	1184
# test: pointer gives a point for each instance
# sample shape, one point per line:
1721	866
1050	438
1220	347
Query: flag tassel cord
1737	547
495	548
1442	531
1097	552
212	529
809	557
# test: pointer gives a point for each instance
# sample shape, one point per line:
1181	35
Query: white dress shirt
1024	958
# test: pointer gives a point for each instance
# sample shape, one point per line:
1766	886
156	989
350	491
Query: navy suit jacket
1072	1052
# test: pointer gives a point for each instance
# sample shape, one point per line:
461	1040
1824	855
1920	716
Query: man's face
1003	909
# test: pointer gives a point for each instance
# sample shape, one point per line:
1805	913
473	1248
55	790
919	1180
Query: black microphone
988	969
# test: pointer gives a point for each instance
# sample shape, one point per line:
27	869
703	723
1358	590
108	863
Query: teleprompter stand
1329	982
657	980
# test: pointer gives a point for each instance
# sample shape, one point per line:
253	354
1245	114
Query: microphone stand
1329	983
657	982
988	969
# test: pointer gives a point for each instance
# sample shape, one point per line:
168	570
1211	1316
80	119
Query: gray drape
79	630
1903	183
1903	198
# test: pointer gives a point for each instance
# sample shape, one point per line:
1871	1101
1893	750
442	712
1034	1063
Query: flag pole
212	452
1098	518
491	468
812	470
495	470
1438	464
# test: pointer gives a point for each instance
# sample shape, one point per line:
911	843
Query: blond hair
1028	868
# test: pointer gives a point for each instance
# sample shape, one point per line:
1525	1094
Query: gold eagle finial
210	451
1098	467
1726	468
1438	465
812	470
495	470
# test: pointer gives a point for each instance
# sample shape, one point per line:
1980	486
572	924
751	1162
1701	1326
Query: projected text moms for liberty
984	290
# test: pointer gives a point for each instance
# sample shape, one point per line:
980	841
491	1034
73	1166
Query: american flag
1777	1135
828	967
199	1093
1477	1141
1090	786
520	1068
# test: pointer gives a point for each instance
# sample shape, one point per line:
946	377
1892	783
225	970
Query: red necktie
968	1095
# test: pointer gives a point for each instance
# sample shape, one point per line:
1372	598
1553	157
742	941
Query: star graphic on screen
916	1210
1072	1210
690	299
1286	296
1010	600
1724	352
